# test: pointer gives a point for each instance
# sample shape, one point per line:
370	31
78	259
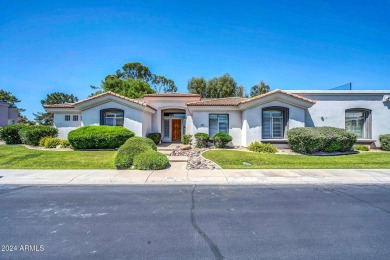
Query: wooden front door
176	129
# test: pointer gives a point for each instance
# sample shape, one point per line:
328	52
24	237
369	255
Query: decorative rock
195	160
185	147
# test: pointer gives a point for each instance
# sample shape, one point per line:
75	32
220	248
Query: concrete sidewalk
178	174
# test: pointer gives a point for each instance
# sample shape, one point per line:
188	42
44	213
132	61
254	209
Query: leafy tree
44	118
197	86
240	92
217	87
131	75
259	89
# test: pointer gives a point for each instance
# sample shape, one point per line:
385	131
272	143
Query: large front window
357	121
112	117
274	123
218	123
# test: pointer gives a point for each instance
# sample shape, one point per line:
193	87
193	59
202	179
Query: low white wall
64	127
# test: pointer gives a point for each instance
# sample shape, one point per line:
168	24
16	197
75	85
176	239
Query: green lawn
19	157
234	159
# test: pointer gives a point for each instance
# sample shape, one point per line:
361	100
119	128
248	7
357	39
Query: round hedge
156	137
32	134
151	160
385	142
320	139
221	139
99	137
10	134
131	148
259	147
201	140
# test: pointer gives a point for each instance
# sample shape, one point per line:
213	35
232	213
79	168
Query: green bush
151	160
32	134
320	139
131	148
156	137
361	148
262	148
385	142
201	140
65	144
1	129
186	139
221	139
49	142
10	134
99	137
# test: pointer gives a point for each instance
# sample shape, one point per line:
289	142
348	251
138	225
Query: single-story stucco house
8	115
264	118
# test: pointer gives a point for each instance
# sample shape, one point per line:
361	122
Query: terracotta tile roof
279	91
228	101
172	95
236	101
97	96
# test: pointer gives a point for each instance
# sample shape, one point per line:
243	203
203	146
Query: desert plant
259	147
385	142
320	139
156	137
361	148
186	139
99	137
49	142
151	160
131	148
201	140
10	134
221	139
31	135
65	144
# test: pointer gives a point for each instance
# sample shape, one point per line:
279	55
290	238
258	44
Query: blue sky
69	45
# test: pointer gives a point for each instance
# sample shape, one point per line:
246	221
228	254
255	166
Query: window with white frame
75	118
67	117
166	128
112	117
274	122
218	123
358	121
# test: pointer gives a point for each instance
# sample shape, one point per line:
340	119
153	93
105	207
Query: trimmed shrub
10	134
1	129
32	134
131	148
201	140
65	144
50	142
385	142
151	160
221	139
320	139
186	139
156	137
259	147
99	137
361	148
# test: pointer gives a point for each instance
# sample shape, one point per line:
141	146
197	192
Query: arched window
274	122
112	117
358	121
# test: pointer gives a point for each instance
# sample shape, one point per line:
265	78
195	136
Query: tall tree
259	89
134	73
217	87
240	91
197	86
45	118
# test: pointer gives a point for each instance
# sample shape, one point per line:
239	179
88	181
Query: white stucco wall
200	124
332	109
64	127
252	120
133	118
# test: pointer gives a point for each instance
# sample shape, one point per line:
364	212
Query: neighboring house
8	115
264	118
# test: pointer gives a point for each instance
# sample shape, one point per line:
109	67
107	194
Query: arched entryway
173	124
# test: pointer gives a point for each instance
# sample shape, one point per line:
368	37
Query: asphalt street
195	222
